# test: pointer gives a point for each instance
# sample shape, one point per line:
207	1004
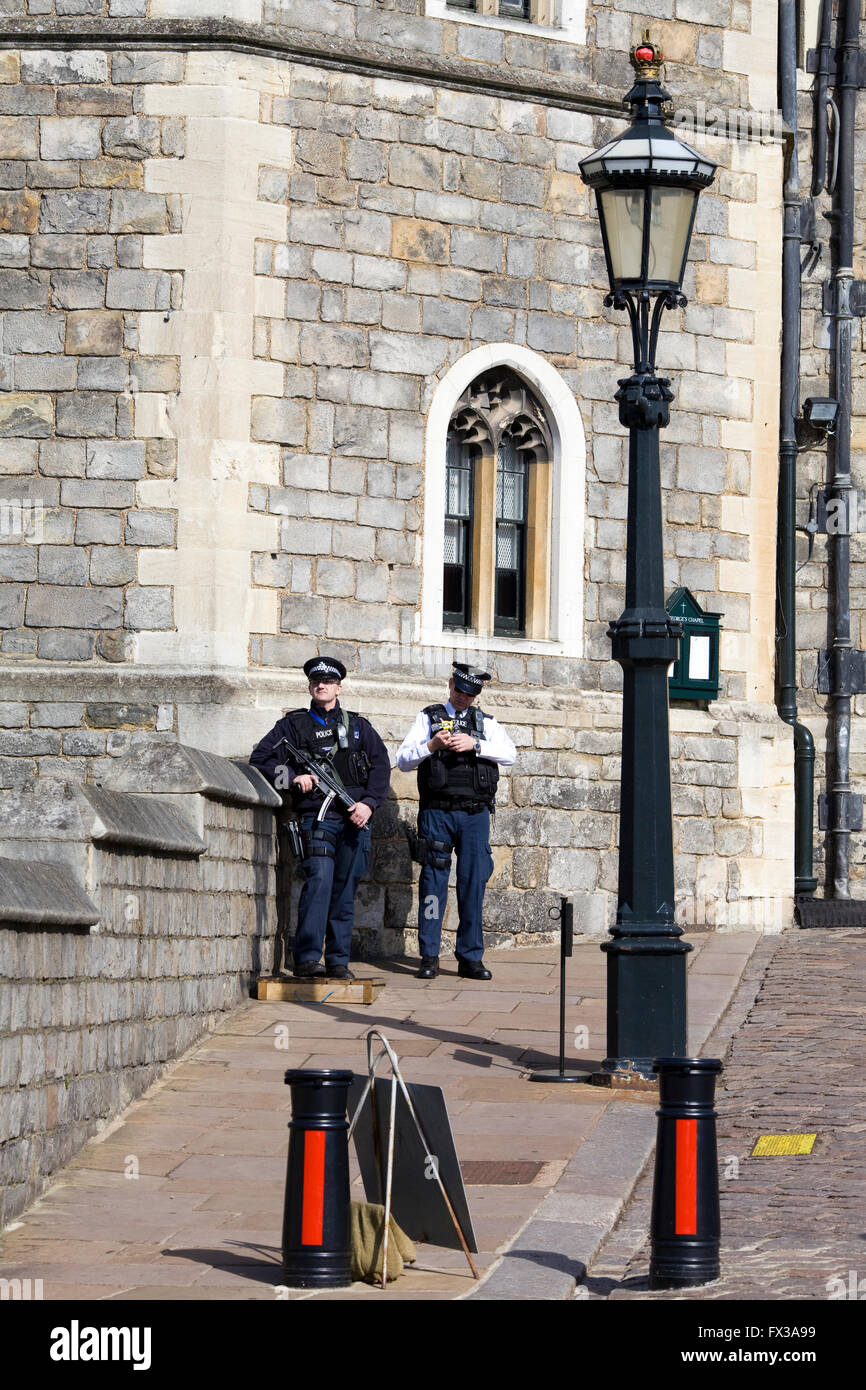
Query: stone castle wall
298	249
130	923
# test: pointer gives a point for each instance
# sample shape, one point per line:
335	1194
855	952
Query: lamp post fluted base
646	1004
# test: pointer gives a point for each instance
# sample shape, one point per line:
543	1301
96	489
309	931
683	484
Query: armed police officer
458	752
334	824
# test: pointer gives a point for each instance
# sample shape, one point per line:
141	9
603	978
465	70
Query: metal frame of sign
684	608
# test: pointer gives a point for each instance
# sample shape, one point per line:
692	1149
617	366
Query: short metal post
316	1236
685	1227
566	944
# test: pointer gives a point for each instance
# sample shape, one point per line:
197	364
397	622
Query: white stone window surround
568	507
571	28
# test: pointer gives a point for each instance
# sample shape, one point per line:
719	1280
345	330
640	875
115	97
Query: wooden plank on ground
280	989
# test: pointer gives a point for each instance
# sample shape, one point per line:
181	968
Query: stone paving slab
203	1218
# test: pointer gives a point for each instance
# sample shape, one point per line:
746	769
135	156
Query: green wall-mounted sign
695	676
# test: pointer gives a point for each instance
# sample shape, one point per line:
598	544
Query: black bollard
685	1212
316	1236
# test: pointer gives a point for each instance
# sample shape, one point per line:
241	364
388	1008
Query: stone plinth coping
174	767
140	822
43	895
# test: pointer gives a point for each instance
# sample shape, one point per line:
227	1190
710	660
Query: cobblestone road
796	1065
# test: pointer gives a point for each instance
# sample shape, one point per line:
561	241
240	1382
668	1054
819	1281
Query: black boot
307	969
473	970
428	969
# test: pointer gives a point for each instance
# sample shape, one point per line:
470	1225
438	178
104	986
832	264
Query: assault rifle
330	786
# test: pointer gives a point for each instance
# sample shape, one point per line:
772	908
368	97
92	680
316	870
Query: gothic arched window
496	577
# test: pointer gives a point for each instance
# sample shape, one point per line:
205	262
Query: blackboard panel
416	1199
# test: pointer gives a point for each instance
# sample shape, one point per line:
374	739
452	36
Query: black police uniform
335	852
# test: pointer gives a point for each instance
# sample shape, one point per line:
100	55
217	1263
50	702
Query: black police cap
328	667
469	679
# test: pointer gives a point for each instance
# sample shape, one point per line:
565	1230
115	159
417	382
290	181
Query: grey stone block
24	289
86	413
445	317
392	352
340	347
138	289
14	252
139	821
133	210
101	252
18	562
368	232
70	137
62	252
129	252
150	528
111	564
131	137
78	289
19	138
152	766
50	67
99	333
147	66
154	374
33	332
306	537
12	597
62	564
56	716
549	333
59	606
147	609
29	743
51	373
280	421
100	527
39	895
79	210
379	273
302	615
102	374
476	250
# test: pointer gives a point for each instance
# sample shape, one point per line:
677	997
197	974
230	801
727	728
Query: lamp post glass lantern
647	184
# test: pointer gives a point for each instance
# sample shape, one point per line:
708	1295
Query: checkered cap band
324	668
469	678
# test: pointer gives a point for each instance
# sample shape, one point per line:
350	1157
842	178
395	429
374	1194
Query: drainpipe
840	663
786	560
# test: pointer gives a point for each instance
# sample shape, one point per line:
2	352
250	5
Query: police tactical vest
339	742
457	778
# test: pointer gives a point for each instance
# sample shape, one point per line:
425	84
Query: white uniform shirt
495	745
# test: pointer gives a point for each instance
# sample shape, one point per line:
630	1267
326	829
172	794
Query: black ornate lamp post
647	184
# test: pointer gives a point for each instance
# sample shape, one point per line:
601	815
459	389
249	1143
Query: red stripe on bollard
312	1218
687	1178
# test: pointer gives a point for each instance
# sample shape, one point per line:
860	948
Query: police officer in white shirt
457	752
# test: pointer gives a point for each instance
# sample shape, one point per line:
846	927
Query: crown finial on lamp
646	59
